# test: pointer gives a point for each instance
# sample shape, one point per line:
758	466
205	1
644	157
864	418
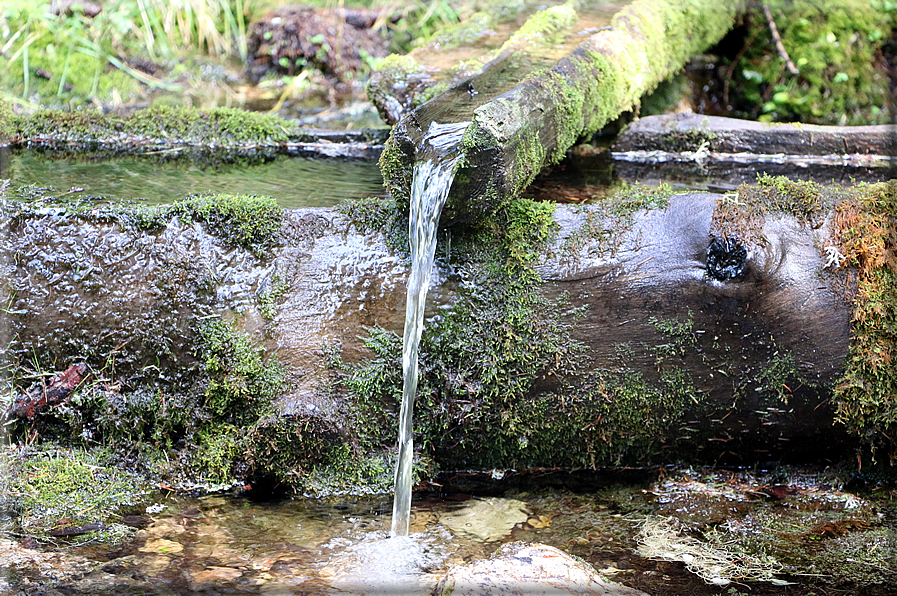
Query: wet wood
50	394
515	134
366	144
341	281
694	132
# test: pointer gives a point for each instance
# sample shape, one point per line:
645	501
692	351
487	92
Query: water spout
430	186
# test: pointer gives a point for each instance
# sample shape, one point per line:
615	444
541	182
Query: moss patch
53	489
247	221
226	127
383	216
481	357
241	384
740	215
837	47
864	234
608	219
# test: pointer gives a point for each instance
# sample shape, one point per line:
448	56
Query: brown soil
335	41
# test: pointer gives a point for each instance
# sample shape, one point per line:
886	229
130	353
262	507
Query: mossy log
217	135
675	363
512	136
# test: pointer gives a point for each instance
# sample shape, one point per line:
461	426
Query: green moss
530	151
219	127
863	232
396	165
779	377
384	216
349	472
741	215
219	448
543	26
270	295
680	333
55	488
250	222
283	450
836	45
649	40
241	384
483	356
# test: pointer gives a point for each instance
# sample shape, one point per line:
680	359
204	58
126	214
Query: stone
521	568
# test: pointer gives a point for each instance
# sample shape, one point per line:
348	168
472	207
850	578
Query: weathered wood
220	135
696	132
131	292
51	394
515	134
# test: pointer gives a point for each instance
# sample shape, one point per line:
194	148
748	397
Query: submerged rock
521	568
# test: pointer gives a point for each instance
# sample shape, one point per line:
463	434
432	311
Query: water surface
293	181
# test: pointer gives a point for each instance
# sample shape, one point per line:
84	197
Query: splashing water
430	186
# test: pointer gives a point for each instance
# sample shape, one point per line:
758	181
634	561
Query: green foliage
69	488
419	21
72	58
241	384
836	45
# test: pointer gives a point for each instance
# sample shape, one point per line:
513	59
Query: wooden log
51	394
734	371
693	132
219	135
517	133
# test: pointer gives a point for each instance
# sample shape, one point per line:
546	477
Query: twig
778	39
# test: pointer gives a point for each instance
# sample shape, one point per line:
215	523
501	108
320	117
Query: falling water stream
433	175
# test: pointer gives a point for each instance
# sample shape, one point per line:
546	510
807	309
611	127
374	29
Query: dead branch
778	40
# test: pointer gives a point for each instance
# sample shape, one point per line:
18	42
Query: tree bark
651	309
514	135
